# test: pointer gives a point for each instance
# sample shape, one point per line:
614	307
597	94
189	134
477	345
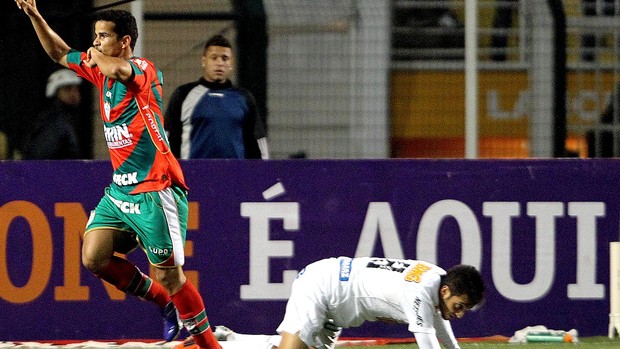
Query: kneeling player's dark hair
465	280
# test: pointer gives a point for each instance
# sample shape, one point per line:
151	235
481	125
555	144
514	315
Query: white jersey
350	291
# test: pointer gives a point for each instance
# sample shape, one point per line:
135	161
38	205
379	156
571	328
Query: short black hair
124	23
465	280
217	40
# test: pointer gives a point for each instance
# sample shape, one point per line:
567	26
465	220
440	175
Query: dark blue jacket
213	120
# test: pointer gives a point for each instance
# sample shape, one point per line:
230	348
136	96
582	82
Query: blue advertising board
539	231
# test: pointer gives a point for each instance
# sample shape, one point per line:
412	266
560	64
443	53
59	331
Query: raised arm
52	43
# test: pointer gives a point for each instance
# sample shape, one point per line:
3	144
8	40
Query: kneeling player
337	293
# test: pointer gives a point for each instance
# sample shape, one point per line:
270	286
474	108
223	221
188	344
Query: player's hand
90	60
28	6
329	334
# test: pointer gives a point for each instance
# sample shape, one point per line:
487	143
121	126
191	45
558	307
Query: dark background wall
252	42
25	66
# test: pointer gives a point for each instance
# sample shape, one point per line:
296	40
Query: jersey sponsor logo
216	94
123	179
416	308
154	129
142	64
345	269
126	207
415	273
117	136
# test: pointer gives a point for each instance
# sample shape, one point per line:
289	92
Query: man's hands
113	67
91	57
54	45
28	6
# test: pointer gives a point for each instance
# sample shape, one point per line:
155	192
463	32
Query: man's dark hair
217	40
465	280
124	23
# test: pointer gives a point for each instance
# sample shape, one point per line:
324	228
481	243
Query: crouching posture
336	293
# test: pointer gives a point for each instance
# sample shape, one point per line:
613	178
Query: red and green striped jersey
133	126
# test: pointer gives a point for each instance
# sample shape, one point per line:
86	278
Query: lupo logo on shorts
159	251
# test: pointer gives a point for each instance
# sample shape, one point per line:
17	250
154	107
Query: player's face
217	63
106	40
450	305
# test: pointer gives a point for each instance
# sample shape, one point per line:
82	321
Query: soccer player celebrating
146	200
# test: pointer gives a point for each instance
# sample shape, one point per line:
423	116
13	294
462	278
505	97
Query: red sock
156	293
128	278
192	312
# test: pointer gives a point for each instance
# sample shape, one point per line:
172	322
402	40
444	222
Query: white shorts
307	307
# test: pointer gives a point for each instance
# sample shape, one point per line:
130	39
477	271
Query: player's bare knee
171	279
170	284
168	279
94	265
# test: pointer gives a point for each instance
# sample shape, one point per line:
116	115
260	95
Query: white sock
251	341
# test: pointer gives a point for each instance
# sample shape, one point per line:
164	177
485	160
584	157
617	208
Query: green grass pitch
584	343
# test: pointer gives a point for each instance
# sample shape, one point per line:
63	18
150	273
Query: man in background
52	135
211	118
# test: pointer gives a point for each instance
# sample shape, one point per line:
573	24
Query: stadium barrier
539	230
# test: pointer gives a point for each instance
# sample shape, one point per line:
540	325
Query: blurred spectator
52	135
427	28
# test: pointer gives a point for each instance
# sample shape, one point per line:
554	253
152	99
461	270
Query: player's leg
230	339
99	258
291	341
306	311
97	249
162	233
105	234
190	306
225	334
246	345
148	289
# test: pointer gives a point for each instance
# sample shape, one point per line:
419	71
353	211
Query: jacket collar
215	85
